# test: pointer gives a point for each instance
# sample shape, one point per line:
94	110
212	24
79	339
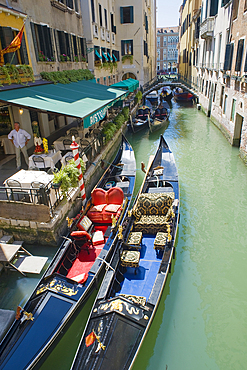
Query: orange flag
13	46
90	339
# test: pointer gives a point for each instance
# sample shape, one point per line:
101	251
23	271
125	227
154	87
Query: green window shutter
122	47
131	14
228	57
34	41
235	9
121	14
23	51
245	64
239	55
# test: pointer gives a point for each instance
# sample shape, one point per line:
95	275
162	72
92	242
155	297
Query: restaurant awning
129	84
77	99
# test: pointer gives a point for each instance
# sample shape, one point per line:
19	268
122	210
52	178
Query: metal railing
46	195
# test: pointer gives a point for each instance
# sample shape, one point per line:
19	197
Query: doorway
237	130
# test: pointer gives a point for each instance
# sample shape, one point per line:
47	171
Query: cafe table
26	177
50	159
58	144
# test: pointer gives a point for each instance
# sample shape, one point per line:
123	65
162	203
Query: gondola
160	118
140	121
183	96
165	95
75	270
131	290
153	97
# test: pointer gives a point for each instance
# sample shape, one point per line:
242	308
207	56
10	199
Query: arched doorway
129	75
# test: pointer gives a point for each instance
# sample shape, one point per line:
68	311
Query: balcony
207	28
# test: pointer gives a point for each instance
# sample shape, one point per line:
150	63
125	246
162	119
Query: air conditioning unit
113	38
95	31
102	32
107	36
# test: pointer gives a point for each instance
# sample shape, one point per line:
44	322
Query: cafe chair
67	143
36	185
37	194
68	158
37	160
17	194
73	132
84	142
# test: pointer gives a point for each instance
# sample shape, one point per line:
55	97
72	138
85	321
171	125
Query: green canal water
201	322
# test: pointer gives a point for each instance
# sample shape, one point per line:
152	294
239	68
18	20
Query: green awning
77	99
129	84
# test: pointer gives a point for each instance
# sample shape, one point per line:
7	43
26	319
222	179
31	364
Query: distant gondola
140	121
182	96
153	97
130	292
159	118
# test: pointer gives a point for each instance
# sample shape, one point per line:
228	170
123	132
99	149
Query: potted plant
67	177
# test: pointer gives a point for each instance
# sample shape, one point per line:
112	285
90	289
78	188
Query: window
113	28
145	48
115	55
233	109
235	9
76	6
158	42
127	47
214	8
100	16
158	54
42	42
93	10
228	57
164	41
20	56
105	11
64	45
164	54
126	14
83	47
239	56
215	88
69	4
222	95
225	103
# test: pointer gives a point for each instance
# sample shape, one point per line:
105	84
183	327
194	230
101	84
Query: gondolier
19	139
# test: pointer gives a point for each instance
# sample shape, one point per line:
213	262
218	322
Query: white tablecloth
58	144
26	177
50	160
9	148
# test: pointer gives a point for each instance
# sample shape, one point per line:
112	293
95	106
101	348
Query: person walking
19	138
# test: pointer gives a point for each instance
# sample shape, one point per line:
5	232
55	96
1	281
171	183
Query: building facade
213	61
120	39
167	49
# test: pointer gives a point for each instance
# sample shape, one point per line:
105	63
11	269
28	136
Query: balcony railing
207	28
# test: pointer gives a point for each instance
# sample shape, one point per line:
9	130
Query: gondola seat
105	204
160	241
130	258
134	240
153	212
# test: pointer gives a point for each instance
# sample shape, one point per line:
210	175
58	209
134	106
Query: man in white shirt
19	138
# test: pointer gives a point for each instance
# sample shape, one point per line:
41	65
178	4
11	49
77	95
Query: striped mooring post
74	147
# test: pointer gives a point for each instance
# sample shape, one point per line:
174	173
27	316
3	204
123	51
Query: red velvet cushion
80	235
115	195
99	196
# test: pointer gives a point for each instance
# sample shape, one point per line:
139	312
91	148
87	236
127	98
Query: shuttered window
224	2
76	6
42	42
245	6
145	48
235	9
214	8
115	54
239	55
70	4
127	47
106	25
100	16
228	57
93	10
83	47
126	14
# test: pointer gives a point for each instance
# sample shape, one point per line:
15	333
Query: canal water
201	322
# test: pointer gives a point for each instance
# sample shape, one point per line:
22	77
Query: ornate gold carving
117	305
58	287
120	232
